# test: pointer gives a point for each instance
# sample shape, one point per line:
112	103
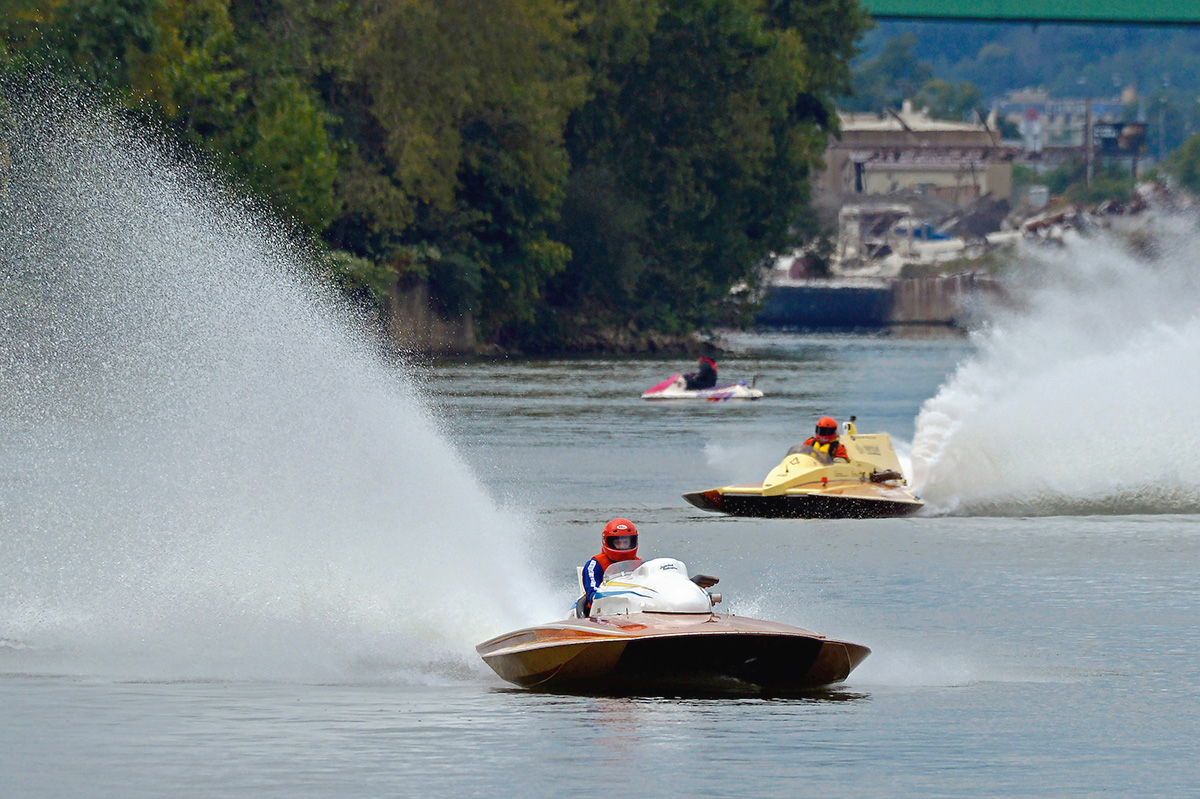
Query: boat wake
1081	401
208	470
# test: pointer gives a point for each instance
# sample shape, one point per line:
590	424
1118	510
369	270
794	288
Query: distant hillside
956	67
1066	60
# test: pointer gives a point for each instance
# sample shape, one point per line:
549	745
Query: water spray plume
207	468
1083	401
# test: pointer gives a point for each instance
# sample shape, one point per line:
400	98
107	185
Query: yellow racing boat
802	486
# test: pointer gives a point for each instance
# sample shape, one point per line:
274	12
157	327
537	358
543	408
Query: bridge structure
1088	12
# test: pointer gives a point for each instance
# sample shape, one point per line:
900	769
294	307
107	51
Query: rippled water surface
1025	656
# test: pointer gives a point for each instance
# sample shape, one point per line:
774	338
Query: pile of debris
910	233
1051	226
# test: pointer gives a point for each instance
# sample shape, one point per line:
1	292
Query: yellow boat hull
871	485
834	500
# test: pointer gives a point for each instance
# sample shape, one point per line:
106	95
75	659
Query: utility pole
1089	145
1162	144
1161	126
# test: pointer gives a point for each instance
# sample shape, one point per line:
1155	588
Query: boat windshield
621	567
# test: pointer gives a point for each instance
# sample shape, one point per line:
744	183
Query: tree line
558	169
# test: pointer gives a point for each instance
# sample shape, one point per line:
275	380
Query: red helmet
619	540
827	428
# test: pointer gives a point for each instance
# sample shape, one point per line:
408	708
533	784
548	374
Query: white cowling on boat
660	585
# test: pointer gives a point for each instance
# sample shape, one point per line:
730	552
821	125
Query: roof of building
905	119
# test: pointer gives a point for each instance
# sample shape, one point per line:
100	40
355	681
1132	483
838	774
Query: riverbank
946	285
416	327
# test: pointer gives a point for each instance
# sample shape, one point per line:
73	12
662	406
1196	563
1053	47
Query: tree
1110	180
1184	165
890	78
103	39
458	110
949	101
290	154
179	62
691	159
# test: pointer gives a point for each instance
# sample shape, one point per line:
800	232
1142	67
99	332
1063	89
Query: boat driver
705	378
824	445
618	542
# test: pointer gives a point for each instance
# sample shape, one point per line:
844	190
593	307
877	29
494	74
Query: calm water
240	556
1048	656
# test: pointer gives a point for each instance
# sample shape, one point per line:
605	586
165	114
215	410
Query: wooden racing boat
653	631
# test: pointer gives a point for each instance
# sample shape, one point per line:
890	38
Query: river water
1032	656
242	555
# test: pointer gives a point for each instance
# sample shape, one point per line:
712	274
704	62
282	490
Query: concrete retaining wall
935	300
950	300
414	324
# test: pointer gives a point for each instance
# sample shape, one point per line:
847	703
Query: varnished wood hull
671	654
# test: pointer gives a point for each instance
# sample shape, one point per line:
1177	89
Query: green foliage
896	74
358	278
103	38
1107	185
949	101
291	157
193	77
1184	165
1024	176
1009	130
1057	180
888	79
460	109
180	60
1110	180
691	159
545	165
456	281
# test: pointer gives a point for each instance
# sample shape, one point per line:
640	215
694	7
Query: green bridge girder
1146	12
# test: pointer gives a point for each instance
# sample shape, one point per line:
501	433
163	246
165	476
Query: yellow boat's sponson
800	504
871	485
